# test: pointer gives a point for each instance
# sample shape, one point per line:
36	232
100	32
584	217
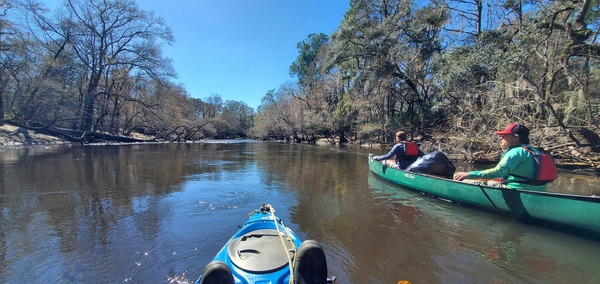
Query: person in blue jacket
516	167
404	152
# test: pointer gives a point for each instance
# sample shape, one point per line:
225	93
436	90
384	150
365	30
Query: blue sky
240	49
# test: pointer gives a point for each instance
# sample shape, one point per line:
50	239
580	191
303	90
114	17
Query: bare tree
107	34
4	25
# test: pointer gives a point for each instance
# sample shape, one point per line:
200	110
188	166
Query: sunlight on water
179	279
158	213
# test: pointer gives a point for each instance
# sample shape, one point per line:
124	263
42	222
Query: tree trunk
90	99
116	114
1	104
2	87
343	140
2	82
88	113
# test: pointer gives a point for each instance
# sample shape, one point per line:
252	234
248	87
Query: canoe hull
562	211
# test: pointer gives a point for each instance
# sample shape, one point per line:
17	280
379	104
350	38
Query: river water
158	213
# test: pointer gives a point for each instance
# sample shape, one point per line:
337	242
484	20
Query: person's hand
460	176
376	158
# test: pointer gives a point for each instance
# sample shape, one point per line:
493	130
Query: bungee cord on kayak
291	260
253	255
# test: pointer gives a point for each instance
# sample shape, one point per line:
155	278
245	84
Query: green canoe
577	213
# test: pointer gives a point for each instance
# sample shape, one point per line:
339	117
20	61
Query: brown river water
158	213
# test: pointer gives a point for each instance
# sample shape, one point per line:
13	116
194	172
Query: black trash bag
434	163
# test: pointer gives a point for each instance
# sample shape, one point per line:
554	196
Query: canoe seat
259	251
310	266
216	272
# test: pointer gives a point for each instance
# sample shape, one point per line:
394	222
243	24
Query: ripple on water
224	201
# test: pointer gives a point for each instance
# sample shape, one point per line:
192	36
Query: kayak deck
259	251
264	250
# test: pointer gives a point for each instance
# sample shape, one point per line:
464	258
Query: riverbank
14	136
17	136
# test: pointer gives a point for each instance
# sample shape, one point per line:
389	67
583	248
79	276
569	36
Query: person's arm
389	155
500	170
495	172
507	163
460	176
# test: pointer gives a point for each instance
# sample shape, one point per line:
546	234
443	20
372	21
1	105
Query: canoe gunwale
566	212
590	198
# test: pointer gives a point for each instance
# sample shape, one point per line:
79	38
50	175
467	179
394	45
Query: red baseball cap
515	128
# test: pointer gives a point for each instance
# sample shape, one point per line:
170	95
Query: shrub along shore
12	136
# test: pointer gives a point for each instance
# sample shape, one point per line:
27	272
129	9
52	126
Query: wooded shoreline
448	80
13	136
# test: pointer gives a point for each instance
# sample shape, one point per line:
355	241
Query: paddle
487	196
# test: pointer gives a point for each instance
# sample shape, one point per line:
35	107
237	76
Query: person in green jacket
515	168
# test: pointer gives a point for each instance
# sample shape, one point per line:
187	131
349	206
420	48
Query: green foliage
306	66
444	68
427	67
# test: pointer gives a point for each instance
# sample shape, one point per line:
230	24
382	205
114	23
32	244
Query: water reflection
66	210
158	213
467	235
583	184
